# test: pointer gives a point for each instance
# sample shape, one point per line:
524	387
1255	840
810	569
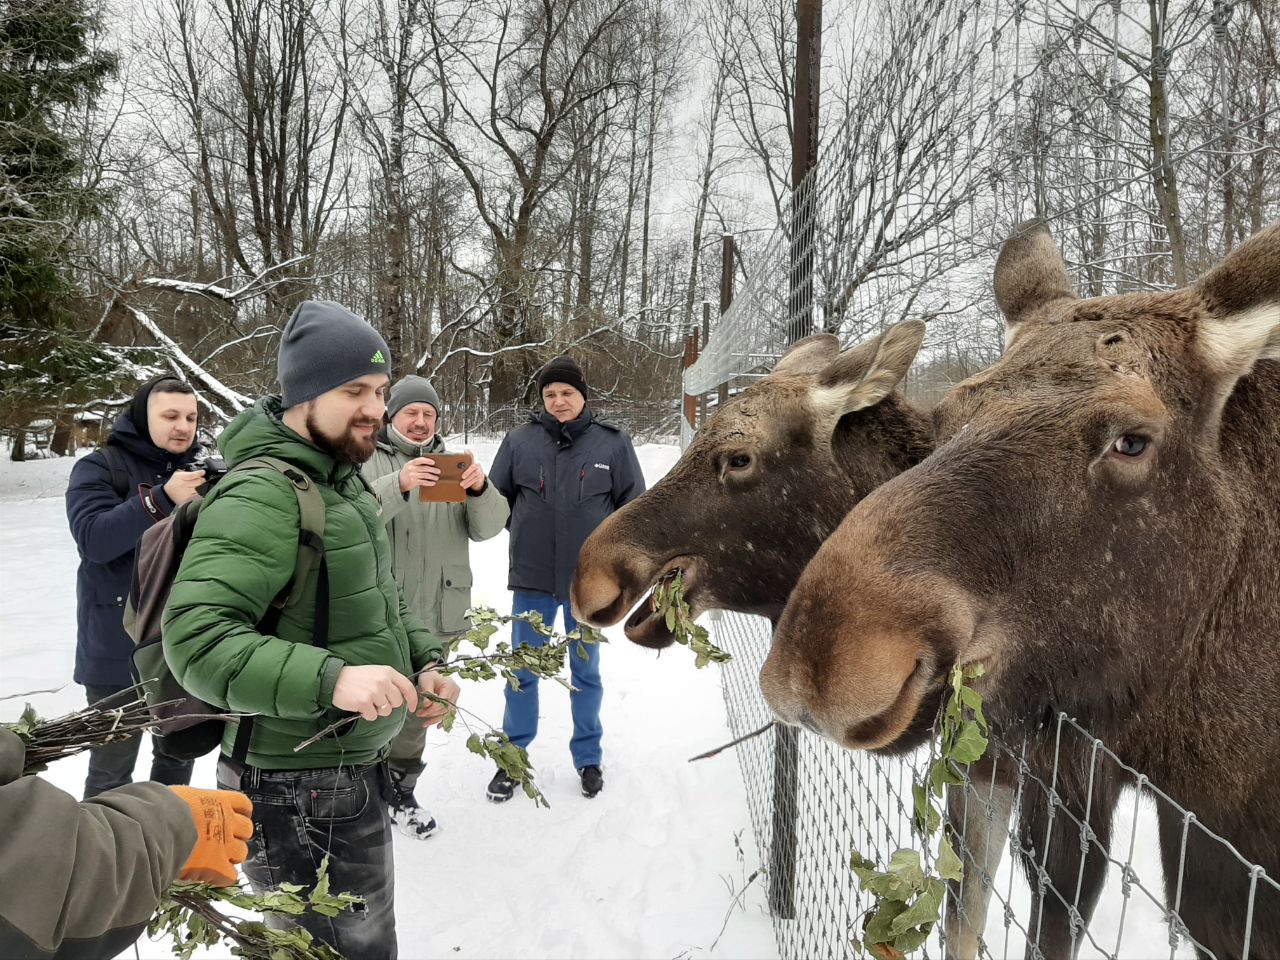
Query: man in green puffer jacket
326	798
430	545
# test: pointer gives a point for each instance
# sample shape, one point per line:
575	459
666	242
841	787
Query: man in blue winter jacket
115	494
562	474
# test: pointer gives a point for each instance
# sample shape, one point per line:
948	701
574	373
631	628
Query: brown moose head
1097	525
765	482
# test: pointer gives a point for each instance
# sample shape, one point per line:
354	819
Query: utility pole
804	159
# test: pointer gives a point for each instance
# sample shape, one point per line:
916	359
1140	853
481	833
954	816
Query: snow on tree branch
234	401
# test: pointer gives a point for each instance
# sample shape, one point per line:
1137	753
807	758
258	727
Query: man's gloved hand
222	827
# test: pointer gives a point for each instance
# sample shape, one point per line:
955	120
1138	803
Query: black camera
214	467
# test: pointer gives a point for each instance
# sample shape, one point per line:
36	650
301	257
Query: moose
1098	526
749	503
763	484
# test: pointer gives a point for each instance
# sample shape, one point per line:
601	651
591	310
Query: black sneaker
592	780
409	817
501	788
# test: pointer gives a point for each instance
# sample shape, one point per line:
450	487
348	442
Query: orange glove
222	827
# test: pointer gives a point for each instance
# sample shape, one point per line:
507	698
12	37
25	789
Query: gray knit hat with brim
324	346
409	390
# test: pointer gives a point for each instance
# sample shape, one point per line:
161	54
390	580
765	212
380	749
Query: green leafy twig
908	895
546	661
189	914
669	602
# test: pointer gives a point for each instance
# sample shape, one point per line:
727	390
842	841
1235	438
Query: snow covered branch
230	399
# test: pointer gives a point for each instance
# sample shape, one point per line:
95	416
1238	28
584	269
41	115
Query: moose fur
1099	525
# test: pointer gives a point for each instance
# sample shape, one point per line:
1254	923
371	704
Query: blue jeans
520	722
301	815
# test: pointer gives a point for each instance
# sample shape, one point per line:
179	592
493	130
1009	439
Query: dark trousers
111	765
299	816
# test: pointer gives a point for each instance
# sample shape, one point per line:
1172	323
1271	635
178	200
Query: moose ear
1242	304
865	375
1030	275
809	356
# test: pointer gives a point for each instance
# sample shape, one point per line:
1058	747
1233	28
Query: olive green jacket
80	880
241	555
430	541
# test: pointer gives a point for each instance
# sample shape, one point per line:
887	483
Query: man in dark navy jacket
115	494
562	474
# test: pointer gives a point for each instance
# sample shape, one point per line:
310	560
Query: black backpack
186	729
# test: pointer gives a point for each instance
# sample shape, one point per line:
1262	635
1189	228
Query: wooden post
690	405
706	337
726	296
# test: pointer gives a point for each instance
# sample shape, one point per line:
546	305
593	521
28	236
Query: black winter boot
592	780
501	788
406	813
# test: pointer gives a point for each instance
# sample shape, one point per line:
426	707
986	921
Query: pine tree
47	69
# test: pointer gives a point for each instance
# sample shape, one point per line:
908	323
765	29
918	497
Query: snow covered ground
644	870
648	869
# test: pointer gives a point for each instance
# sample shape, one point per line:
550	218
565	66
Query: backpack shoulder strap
310	552
119	473
311	515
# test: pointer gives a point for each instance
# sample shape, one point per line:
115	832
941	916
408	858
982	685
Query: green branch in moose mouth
668	602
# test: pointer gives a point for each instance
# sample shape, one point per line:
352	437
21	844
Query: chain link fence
814	804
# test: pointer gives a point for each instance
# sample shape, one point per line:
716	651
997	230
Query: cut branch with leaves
546	661
190	916
908	893
188	912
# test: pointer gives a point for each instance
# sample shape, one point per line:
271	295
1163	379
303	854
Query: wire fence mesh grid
1107	866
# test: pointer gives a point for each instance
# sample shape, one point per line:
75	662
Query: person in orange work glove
223	826
81	879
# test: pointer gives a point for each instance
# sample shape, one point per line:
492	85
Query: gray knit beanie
324	346
409	390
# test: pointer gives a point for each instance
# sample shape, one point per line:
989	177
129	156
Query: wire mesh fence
1055	864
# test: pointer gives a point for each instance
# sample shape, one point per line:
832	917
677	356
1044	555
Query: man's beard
347	448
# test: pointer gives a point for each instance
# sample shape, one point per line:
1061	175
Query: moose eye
1130	445
740	461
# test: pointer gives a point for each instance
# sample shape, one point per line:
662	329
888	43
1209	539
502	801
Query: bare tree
509	76
261	116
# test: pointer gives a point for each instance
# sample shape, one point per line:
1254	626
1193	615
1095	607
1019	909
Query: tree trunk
1164	180
650	150
63	441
